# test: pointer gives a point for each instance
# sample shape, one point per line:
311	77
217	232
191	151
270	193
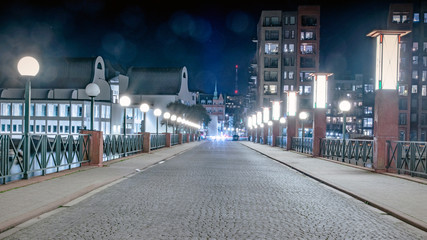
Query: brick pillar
146	144
319	129
386	117
168	140
275	131
290	131
179	138
96	147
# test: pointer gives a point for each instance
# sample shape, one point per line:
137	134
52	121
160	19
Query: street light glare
157	112
28	66
345	106
303	115
282	120
92	90
125	101
144	107
166	115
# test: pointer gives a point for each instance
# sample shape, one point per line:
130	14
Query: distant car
235	137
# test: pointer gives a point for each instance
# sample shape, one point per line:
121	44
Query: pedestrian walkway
397	195
25	199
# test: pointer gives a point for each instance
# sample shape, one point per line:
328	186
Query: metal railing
353	151
281	141
174	139
184	137
407	157
119	145
270	140
48	153
157	141
303	147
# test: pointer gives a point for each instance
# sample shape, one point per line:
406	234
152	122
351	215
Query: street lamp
124	102
302	116
92	90
157	113
28	67
173	119
344	107
166	116
144	108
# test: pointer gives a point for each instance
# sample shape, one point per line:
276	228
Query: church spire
215	92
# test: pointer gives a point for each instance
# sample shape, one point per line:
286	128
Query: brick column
290	131
386	117
168	140
146	144
179	138
319	129
96	147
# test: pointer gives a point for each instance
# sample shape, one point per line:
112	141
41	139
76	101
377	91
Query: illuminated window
425	17
416	17
271	48
414	46
396	18
403	90
424	76
291	75
414	74
415	60
424	90
414	89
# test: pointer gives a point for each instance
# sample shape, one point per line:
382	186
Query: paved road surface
220	190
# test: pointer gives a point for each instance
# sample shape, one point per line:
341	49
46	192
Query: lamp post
157	113
173	119
124	102
28	67
344	107
166	116
291	121
92	90
270	130
144	108
302	116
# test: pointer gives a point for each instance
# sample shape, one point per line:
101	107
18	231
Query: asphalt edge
14	222
397	214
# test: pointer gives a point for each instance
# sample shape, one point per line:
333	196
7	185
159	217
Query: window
76	110
414	89
287	34
271	48
270	76
367	122
306	48
414	46
285	48
415	60
289	61
41	110
424	61
270	89
285	75
403	90
52	110
425	17
403	104
415	74
425	47
293	34
291	75
306	77
396	18
292	20
291	47
64	110
307	89
368	110
416	17
285	88
5	109
17	109
271	21
308	21
270	62
402	118
272	35
424	76
424	90
308	35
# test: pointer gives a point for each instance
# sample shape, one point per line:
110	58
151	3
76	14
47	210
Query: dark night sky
209	39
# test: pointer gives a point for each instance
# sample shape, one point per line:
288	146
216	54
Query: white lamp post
27	67
166	116
92	90
173	119
157	113
124	102
144	108
302	116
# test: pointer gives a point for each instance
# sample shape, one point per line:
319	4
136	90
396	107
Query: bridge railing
174	139
281	141
407	157
119	145
157	140
48	153
302	145
353	151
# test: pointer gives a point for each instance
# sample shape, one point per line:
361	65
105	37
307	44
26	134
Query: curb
397	214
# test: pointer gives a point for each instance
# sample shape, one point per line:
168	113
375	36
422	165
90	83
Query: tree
195	113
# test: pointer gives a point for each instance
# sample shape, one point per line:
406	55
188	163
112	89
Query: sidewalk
25	199
401	197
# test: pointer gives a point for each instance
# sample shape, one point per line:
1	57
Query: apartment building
412	80
287	52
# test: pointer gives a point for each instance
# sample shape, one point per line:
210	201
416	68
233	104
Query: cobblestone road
219	191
